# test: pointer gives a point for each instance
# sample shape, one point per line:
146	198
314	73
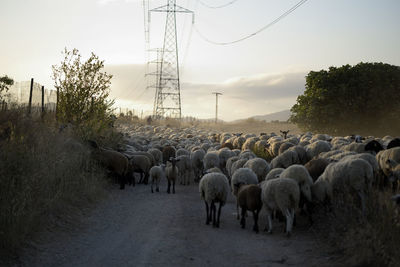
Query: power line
254	33
216	7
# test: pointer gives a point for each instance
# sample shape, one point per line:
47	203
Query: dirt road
136	228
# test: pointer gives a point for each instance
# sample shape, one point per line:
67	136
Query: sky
261	75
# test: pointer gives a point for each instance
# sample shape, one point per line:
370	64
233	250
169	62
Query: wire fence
30	95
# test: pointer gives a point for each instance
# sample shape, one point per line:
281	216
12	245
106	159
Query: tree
5	83
364	98
83	90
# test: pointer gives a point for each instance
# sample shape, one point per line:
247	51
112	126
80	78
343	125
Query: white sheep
284	160
224	154
280	194
259	166
229	164
274	174
315	148
300	174
349	175
185	169
156	174
210	160
213	188
237	165
172	173
197	157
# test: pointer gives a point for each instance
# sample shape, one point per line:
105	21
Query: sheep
301	153
285	146
350	175
316	167
285	159
314	149
282	194
259	166
168	152
197	163
224	154
171	173
242	177
387	160
237	165
374	146
156	174
213	188
182	151
300	174
274	174
210	160
249	198
215	169
229	164
184	165
393	143
247	154
157	154
284	133
114	161
141	164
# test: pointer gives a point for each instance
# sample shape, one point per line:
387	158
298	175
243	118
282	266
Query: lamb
242	176
282	194
274	174
210	160
214	188
114	161
249	198
197	163
156	174
171	173
259	166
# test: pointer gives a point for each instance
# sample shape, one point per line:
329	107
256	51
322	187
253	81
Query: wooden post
42	101
30	98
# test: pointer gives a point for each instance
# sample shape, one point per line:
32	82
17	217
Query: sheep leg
237	211
289	222
146	178
169	186
255	216
269	222
152	187
213	210
173	187
208	213
219	213
243	218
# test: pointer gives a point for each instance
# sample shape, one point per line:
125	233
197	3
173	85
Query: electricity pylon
168	95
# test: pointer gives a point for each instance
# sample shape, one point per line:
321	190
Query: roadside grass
44	174
370	240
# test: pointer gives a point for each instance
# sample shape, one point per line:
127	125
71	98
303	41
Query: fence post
42	101
30	98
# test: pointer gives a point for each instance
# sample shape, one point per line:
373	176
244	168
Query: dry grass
41	177
370	240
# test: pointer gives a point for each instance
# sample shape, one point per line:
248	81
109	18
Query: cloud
242	97
105	2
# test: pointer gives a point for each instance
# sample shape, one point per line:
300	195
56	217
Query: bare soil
134	227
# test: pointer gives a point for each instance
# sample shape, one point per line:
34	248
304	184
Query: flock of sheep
306	170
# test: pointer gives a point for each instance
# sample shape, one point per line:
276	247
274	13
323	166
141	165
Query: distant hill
277	116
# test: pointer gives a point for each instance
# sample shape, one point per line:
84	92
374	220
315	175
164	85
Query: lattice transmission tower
167	101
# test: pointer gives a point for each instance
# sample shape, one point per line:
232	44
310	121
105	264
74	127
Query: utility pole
216	106
168	95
